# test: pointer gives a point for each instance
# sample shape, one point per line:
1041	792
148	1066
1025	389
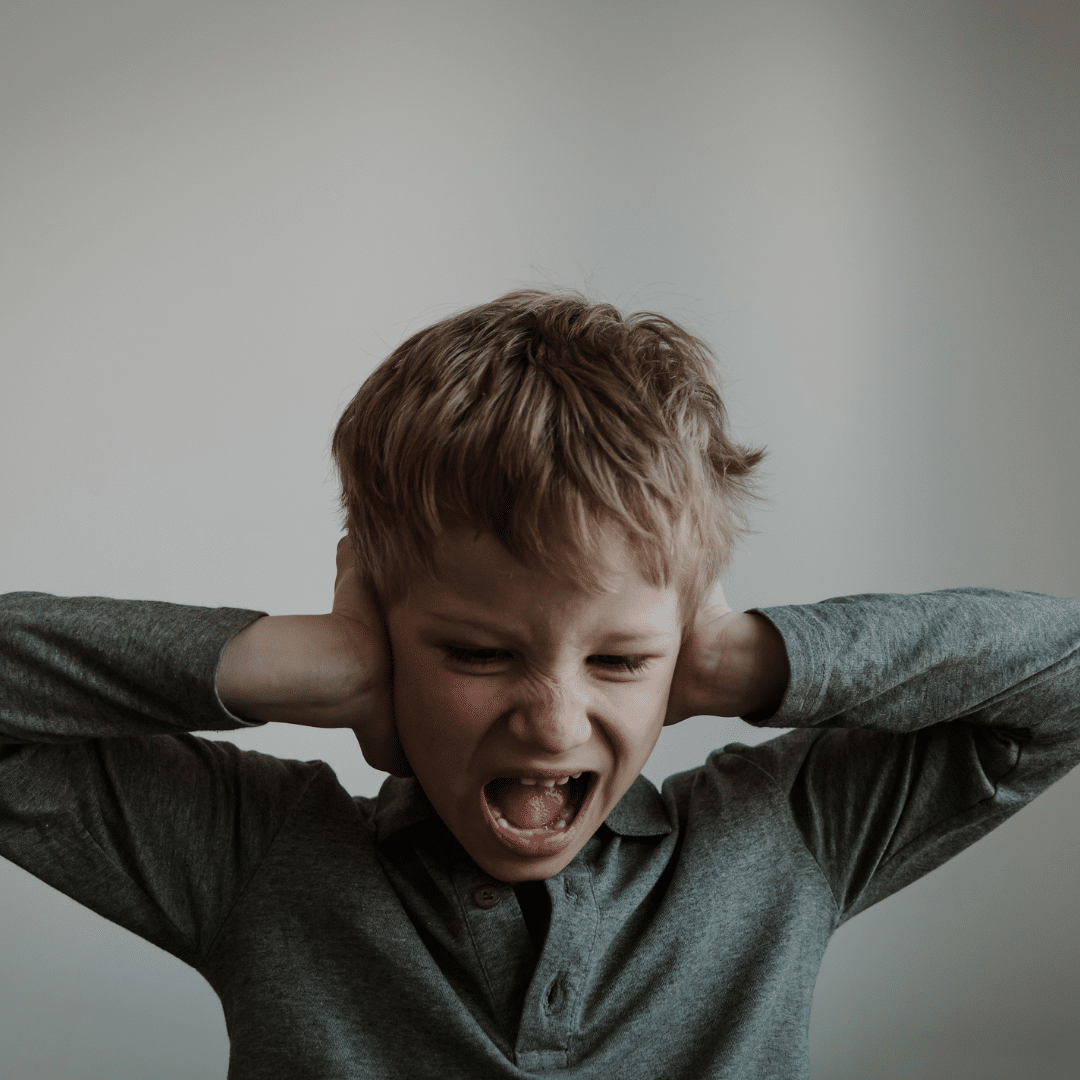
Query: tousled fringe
555	425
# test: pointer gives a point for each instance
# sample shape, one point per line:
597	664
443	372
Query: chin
512	868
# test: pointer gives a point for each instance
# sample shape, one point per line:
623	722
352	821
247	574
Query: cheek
648	702
416	702
642	703
638	715
473	702
442	712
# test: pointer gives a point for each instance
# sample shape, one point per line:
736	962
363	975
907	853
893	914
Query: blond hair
544	420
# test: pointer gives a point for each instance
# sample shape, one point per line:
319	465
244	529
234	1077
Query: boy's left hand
730	664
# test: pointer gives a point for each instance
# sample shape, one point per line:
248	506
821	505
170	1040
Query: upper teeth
549	781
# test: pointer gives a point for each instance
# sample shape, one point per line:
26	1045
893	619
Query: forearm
299	669
899	663
90	667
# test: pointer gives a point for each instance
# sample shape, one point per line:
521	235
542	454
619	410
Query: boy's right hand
357	609
320	670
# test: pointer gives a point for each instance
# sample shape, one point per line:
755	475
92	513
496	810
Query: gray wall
217	217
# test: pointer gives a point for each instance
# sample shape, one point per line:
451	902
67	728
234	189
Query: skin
503	670
499	670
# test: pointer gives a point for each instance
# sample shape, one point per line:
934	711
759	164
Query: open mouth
536	813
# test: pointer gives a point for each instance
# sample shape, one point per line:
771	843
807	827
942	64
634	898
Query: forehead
477	581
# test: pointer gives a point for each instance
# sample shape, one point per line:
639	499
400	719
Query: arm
73	669
921	723
105	795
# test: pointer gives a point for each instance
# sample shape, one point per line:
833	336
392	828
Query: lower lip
539	843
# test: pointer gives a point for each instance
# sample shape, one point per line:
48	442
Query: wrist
763	662
293	668
736	665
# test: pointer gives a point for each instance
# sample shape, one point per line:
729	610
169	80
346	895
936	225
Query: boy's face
508	681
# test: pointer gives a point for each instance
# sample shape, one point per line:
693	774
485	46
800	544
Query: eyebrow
464	620
643	635
616	637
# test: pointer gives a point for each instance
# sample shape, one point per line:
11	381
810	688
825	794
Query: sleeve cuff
805	638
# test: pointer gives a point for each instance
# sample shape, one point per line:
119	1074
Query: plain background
218	217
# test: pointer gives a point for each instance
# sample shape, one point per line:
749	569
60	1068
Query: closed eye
481	657
476	656
620	663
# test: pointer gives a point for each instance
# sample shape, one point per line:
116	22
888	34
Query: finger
352	596
345	561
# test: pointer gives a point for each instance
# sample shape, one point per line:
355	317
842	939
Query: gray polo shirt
353	937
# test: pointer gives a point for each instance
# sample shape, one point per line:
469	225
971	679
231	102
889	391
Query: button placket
500	943
553	1001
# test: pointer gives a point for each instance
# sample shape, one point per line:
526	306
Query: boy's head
539	492
537	418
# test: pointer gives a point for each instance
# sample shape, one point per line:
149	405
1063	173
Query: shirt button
487	896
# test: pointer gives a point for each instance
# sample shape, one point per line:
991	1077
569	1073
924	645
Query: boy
540	496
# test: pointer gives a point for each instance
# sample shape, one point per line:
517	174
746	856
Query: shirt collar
402	803
640	812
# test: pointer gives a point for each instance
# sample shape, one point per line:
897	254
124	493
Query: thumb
355	602
698	656
377	733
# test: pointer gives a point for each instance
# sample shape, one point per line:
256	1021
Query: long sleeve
103	793
924	721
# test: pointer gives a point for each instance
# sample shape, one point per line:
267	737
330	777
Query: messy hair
545	420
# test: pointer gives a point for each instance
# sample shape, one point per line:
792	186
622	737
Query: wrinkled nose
554	719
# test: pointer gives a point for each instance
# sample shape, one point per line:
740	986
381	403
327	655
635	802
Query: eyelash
628	664
480	657
474	656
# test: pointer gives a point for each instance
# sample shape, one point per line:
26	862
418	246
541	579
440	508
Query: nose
553	717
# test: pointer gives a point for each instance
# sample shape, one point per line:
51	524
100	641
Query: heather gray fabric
342	934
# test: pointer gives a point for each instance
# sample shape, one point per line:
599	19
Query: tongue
528	806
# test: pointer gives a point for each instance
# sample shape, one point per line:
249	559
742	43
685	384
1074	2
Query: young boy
540	495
